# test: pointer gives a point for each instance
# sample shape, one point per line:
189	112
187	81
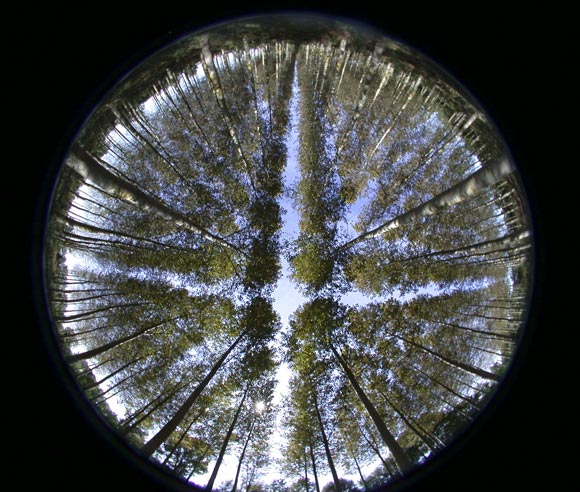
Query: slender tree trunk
115	343
96	366
467	188
314	471
403	462
306	475
482	373
505	243
418	432
209	486
149	448
336	480
209	68
74	317
100	230
122	368
84	332
200	460
88	167
145	411
242	455
466	399
370	441
510	337
362	478
183	434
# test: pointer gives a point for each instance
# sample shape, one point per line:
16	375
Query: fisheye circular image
288	253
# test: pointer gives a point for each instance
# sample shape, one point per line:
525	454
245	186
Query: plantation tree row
164	250
401	202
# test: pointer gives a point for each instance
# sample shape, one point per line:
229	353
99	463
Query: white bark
465	189
87	166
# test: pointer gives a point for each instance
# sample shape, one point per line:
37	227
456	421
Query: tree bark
115	343
85	314
122	368
87	166
397	451
467	188
505	243
314	472
362	478
336	480
100	230
482	373
427	439
140	415
242	455
226	441
149	448
209	68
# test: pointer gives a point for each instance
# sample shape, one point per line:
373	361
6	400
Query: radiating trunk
306	475
200	460
466	399
115	343
87	314
505	243
88	167
314	471
149	448
482	373
362	478
209	68
467	188
100	230
336	480
397	451
369	440
122	368
427	439
145	411
510	337
183	434
242	456
226	441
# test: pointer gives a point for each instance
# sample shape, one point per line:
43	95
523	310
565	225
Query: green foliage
168	308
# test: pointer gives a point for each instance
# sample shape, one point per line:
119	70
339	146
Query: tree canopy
329	158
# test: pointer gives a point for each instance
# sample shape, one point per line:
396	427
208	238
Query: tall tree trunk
467	188
362	478
88	167
209	68
336	480
242	455
427	439
115	343
466	399
149	448
85	314
100	230
505	243
209	486
122	368
306	475
510	337
314	471
397	451
144	412
482	373
183	434
370	441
